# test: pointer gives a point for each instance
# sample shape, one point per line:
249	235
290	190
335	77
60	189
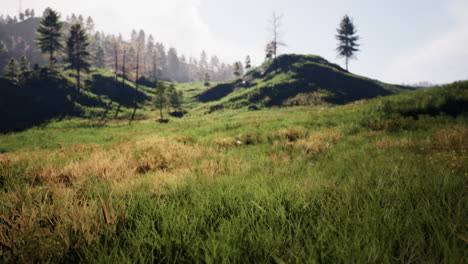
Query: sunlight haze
401	41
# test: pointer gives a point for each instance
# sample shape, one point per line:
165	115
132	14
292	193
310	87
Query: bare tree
274	26
116	58
137	69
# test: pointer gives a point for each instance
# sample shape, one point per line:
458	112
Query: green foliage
347	39
206	80
100	57
173	97
304	185
78	55
273	83
237	69
11	70
50	35
160	98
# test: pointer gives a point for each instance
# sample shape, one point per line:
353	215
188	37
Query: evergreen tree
50	35
81	19
24	64
33	13
173	64
100	57
21	16
12	70
160	98
237	69
347	39
248	64
25	70
90	25
78	54
206	80
3	52
173	97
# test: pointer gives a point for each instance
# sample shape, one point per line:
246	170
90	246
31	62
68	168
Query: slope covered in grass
364	182
292	76
49	94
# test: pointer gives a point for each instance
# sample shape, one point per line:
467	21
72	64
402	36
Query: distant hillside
20	40
295	80
160	62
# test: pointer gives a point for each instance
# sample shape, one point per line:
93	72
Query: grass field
379	181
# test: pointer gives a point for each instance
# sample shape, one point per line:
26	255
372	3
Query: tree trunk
78	78
116	59
346	63
123	82
135	105
51	58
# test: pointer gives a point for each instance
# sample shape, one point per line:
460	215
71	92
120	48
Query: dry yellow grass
318	142
386	143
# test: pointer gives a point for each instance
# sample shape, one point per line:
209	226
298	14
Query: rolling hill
295	80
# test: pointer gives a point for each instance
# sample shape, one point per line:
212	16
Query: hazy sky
402	40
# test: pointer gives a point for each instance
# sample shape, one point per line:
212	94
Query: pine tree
3	52
206	80
12	70
237	69
25	69
173	97
160	98
347	39
24	64
100	57
50	35
248	64
78	54
90	25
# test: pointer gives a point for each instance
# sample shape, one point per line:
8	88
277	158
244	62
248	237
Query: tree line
157	62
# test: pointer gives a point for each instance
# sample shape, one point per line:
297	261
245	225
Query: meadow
377	181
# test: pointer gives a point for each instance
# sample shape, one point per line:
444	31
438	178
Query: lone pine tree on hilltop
347	39
50	34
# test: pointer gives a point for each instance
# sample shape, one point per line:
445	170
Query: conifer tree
100	57
160	98
24	69
237	69
12	70
347	39
248	64
206	80
3	52
50	35
78	54
90	25
173	97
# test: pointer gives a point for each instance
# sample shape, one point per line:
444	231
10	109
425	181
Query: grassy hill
48	95
379	181
295	80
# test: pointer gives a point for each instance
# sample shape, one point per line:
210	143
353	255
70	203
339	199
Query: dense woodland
18	38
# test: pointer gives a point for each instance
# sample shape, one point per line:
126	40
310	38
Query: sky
401	41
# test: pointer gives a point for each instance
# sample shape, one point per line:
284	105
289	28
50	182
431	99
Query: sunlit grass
290	185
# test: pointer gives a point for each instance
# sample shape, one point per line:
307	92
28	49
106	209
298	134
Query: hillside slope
295	79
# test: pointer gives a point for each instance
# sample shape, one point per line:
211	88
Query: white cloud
441	60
